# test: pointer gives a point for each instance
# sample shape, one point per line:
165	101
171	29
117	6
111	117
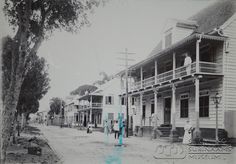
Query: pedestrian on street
106	128
116	129
89	128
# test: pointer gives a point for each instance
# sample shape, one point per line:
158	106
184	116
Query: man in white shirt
187	63
116	129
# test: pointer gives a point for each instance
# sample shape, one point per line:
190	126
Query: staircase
165	130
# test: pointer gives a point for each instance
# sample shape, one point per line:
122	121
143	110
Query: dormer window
168	39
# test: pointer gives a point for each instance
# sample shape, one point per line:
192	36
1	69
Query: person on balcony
187	63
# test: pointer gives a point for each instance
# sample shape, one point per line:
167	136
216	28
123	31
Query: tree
33	21
81	90
56	106
104	79
34	87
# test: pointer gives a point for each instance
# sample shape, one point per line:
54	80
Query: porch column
174	65
155	101
91	101
90	115
155	108
141	108
173	107
141	77
173	135
197	133
155	72
140	130
197	55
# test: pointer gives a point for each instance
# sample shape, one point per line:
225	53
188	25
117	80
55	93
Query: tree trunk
1	105
8	114
22	121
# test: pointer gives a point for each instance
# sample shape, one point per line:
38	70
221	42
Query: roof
87	96
214	15
206	20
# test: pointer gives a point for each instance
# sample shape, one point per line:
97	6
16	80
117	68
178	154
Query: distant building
102	104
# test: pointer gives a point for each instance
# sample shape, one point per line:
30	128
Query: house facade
102	104
71	117
90	109
176	92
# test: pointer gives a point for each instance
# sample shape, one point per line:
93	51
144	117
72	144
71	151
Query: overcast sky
77	59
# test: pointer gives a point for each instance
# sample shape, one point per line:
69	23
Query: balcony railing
166	76
149	81
136	85
94	105
211	68
204	67
185	70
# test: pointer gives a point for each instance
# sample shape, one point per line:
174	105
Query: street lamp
216	99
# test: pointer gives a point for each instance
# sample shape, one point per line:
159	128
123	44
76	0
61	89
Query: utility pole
126	59
61	113
2	156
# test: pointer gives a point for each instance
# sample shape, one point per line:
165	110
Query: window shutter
112	100
106	99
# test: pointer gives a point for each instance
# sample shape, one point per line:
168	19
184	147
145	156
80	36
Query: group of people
114	126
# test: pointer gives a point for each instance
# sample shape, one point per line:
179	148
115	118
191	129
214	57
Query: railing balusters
205	67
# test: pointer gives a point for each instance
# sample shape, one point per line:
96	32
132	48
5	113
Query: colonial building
102	104
71	117
90	109
176	91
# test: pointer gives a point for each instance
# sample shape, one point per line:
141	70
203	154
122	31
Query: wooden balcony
94	105
207	68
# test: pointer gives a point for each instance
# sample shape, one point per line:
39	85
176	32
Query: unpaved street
76	146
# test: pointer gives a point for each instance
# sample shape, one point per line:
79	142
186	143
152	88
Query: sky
77	59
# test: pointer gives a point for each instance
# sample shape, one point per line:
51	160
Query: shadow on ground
31	137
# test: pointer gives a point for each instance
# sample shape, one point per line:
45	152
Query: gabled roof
207	19
214	15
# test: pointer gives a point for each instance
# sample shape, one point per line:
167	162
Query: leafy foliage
82	89
34	87
105	78
55	105
48	15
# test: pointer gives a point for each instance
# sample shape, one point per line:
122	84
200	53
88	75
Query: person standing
187	63
106	128
116	129
187	133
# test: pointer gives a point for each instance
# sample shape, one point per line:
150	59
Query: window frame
206	114
184	97
109	100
